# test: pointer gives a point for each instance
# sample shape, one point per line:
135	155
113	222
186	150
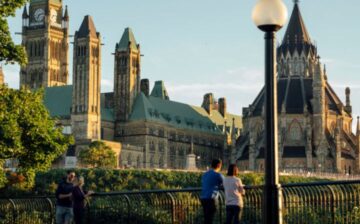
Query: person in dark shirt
79	195
211	181
64	210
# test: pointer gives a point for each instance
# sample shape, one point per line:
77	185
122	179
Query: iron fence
325	202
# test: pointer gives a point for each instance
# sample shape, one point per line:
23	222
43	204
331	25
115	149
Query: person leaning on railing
64	210
78	196
234	191
211	182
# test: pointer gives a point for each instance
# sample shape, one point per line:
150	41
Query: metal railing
325	202
317	174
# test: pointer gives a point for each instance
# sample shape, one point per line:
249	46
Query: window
66	130
295	131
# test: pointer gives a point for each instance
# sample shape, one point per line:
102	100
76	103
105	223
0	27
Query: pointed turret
233	130
85	114
126	76
65	19
87	28
25	14
127	40
160	91
25	18
296	44
358	144
66	14
296	32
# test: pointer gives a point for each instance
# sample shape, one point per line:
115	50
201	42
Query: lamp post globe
270	15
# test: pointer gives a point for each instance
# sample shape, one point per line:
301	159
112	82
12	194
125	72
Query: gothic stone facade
146	130
315	127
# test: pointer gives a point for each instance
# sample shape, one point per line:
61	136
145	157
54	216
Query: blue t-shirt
211	181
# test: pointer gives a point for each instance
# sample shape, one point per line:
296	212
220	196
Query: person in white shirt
234	192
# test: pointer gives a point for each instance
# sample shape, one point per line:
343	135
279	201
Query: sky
201	46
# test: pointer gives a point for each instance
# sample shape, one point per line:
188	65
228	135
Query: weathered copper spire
296	31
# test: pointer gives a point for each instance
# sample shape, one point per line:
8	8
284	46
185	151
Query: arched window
129	159
332	129
138	162
161	162
295	131
152	162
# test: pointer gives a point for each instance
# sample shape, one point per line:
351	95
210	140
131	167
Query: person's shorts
64	215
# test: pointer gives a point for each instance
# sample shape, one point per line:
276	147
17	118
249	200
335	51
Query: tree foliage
27	132
98	155
9	52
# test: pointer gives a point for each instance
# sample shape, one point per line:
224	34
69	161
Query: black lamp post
269	16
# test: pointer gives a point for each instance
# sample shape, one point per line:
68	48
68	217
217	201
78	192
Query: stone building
315	127
146	130
45	34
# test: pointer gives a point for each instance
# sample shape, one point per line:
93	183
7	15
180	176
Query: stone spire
87	28
296	32
233	133
25	18
296	44
66	14
86	115
358	144
127	40
65	19
25	14
127	70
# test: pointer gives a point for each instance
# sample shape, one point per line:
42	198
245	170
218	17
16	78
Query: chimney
222	107
208	102
348	107
144	86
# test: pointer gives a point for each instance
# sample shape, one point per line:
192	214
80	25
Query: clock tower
45	38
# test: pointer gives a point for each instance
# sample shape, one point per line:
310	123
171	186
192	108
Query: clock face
39	15
53	16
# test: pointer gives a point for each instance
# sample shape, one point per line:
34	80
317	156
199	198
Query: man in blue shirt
211	181
64	210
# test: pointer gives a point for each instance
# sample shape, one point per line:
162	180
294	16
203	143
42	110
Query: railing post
332	204
172	207
221	201
14	210
51	210
88	209
127	199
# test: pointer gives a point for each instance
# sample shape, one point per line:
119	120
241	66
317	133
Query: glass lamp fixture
269	15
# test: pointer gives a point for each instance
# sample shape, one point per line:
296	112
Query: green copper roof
180	115
87	28
58	101
127	37
45	1
107	114
159	91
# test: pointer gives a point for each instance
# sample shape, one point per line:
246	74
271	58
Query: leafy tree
28	133
98	155
10	52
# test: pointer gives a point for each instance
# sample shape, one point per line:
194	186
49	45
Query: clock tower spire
45	38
